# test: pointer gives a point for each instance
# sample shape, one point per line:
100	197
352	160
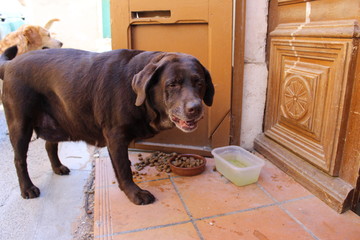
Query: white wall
255	72
80	23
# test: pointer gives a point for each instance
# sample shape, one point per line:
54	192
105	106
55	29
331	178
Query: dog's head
176	84
37	38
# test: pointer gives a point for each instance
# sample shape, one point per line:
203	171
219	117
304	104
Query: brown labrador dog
105	99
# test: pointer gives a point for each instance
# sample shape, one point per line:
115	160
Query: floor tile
210	194
323	221
126	216
269	223
104	172
281	186
177	232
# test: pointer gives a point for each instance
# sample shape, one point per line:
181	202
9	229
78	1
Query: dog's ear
210	90
141	80
50	23
31	34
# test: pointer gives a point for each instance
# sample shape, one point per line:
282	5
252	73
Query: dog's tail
8	55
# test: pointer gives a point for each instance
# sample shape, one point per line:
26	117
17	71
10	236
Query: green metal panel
106	18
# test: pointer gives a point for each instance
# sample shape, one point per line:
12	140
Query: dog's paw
62	170
141	197
31	192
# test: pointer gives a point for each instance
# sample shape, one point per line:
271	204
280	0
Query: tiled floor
208	206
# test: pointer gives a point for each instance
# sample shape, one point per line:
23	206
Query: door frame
238	71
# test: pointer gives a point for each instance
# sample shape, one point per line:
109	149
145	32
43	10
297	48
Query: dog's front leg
118	150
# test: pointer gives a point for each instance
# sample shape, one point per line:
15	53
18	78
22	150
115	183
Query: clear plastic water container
238	165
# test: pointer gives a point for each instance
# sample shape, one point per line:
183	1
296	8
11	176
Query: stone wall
255	71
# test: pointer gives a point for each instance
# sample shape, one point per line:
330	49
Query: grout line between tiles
115	185
143	229
251	209
187	209
287	212
235	212
299	222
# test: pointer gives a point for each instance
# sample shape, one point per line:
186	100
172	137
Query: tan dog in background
29	38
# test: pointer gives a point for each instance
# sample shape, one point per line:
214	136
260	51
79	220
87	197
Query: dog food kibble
187	162
159	160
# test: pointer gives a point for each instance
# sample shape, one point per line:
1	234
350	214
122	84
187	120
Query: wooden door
201	28
313	48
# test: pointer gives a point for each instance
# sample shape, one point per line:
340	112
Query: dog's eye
197	81
172	85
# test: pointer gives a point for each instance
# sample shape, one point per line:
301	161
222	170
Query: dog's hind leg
20	134
57	166
19	104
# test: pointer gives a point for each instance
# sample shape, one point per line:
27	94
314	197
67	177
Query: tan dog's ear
31	34
50	23
141	80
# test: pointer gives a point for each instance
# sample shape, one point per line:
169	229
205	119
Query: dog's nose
193	108
61	44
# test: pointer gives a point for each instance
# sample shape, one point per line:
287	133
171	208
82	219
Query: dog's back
69	85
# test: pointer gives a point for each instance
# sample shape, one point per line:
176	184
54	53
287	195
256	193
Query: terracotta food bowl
187	164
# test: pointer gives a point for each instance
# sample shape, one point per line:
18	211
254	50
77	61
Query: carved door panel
200	28
307	85
313	72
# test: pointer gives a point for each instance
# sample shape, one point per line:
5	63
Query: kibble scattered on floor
158	160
